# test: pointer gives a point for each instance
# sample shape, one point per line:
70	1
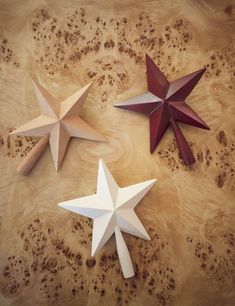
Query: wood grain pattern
189	214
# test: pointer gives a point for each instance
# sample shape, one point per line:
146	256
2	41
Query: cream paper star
112	209
58	122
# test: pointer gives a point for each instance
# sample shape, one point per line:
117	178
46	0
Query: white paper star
112	209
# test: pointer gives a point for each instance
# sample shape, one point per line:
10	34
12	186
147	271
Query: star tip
57	167
152	182
101	162
205	127
61	204
201	71
88	86
35	81
146	236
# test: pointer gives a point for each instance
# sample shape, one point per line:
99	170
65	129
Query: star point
112	211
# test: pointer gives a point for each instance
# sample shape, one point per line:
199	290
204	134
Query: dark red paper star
165	105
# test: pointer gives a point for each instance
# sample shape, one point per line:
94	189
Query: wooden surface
189	214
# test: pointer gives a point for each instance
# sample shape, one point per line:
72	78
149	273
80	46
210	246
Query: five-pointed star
59	121
164	103
112	209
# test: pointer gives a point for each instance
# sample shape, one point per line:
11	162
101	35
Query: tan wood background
189	214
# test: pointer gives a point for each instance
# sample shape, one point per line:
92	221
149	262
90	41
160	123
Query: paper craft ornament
164	103
112	209
57	123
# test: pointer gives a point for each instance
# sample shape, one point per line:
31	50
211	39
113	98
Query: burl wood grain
189	214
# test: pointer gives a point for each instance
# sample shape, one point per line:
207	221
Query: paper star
112	209
165	105
58	122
